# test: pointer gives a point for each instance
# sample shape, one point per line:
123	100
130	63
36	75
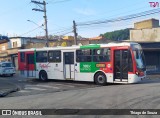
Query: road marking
65	85
34	88
47	86
69	85
23	91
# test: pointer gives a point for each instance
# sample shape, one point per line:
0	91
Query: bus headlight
139	73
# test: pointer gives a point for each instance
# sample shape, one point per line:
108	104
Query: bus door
30	67
69	66
121	65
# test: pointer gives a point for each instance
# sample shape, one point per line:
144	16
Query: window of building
15	44
83	55
101	55
54	56
41	56
22	56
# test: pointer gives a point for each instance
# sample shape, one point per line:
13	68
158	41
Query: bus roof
90	46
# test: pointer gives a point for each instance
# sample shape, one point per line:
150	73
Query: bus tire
100	78
43	76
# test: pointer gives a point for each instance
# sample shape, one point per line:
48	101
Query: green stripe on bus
88	67
94	46
35	68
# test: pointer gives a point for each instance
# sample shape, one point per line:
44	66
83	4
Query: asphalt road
34	86
145	95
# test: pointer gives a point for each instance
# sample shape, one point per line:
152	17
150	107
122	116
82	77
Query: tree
117	35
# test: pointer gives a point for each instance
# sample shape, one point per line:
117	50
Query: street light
41	28
36	24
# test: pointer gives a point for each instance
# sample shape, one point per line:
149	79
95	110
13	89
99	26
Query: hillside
117	35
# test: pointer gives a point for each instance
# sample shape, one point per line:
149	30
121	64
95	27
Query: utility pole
43	9
75	32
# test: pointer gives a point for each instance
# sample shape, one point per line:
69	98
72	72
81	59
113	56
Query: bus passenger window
41	56
101	55
83	55
54	56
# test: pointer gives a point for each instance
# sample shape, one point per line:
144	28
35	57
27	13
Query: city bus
100	63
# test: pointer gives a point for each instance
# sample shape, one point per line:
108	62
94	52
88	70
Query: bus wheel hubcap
42	77
101	79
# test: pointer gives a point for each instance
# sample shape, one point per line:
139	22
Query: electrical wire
63	32
31	30
58	1
128	17
111	11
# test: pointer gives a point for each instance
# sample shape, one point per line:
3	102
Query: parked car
7	68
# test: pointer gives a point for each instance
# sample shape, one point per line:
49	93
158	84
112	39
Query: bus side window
41	56
83	55
54	56
22	56
101	55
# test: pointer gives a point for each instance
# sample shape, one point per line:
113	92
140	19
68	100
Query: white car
7	68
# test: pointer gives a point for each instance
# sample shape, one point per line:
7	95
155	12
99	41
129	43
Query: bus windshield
139	56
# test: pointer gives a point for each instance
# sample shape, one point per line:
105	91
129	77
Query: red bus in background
26	63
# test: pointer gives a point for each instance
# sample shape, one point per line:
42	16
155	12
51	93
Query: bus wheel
43	76
100	78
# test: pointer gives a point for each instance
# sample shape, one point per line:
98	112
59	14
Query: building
147	24
68	38
152	56
4	45
147	33
9	47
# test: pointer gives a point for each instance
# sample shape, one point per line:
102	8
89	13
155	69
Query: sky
61	13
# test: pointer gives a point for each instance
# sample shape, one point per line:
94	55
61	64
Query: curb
5	92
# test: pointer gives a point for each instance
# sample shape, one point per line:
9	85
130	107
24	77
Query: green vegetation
117	35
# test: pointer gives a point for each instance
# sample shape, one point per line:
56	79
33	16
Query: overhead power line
57	1
59	32
31	30
128	17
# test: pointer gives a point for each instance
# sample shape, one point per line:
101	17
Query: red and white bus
99	63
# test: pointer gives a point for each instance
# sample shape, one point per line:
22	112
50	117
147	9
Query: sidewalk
153	76
6	87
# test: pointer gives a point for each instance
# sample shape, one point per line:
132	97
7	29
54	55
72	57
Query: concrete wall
148	35
151	23
24	41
